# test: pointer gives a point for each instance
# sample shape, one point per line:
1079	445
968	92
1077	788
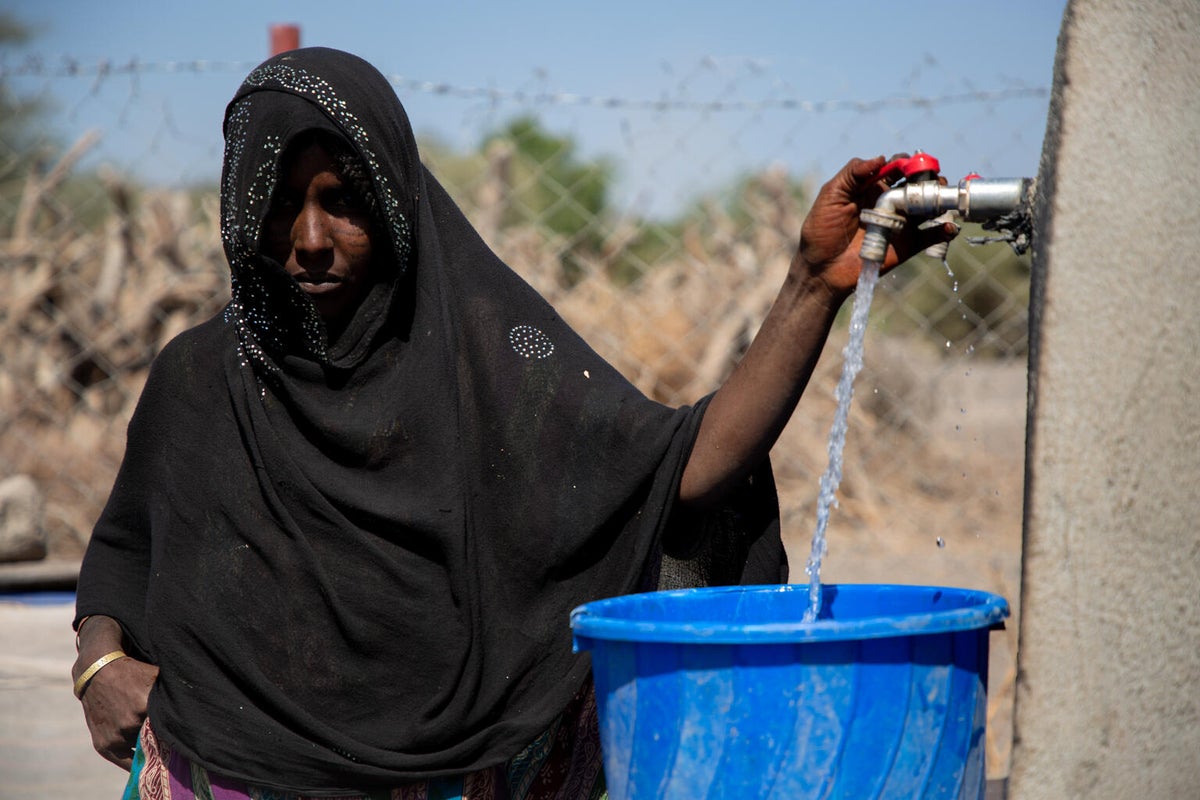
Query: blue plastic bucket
725	692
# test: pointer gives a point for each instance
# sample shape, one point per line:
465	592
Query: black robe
354	561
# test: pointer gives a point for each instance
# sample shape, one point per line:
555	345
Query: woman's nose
310	231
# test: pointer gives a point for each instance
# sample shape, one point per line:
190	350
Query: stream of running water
851	365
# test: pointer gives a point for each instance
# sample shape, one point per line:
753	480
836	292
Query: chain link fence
661	228
664	245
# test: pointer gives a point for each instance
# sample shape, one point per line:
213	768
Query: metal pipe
981	199
975	199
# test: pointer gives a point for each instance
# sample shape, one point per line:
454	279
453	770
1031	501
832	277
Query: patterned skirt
562	764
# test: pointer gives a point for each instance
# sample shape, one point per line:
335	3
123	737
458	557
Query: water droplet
947	343
941	542
958	427
962	411
970	349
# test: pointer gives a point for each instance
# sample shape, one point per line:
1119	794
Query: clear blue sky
168	126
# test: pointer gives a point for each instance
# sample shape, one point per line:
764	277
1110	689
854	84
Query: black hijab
354	560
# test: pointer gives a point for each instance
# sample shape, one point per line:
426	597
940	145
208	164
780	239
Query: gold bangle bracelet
100	663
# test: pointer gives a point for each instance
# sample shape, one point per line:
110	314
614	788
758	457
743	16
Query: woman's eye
283	203
347	200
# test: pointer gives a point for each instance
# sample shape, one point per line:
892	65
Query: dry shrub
91	307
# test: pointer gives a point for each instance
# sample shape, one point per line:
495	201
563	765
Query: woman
356	508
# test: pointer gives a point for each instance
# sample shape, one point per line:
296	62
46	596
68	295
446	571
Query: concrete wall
1108	689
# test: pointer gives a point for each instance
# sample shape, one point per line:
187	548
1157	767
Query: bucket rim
970	609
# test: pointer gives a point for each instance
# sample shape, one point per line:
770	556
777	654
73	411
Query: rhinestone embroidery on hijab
251	311
530	342
248	311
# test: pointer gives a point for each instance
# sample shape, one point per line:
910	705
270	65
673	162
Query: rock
22	511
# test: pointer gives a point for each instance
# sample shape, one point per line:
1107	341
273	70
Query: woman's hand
831	236
114	701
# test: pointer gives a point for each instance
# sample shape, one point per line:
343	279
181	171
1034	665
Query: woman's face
320	231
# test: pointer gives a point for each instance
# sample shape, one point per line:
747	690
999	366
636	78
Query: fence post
284	37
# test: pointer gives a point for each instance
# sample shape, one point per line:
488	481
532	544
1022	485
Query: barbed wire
36	67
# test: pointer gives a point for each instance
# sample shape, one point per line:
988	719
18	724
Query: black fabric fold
354	561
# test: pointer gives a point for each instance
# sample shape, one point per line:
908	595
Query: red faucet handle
908	167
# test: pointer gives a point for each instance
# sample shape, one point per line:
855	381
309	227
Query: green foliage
25	149
980	298
543	183
749	192
18	115
549	185
18	137
654	243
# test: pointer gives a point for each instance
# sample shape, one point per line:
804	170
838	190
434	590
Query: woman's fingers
114	706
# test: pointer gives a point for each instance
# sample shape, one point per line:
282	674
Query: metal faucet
1000	204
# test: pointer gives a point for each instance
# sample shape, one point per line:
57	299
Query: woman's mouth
318	284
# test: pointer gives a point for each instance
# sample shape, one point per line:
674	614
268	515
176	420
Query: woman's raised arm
747	414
